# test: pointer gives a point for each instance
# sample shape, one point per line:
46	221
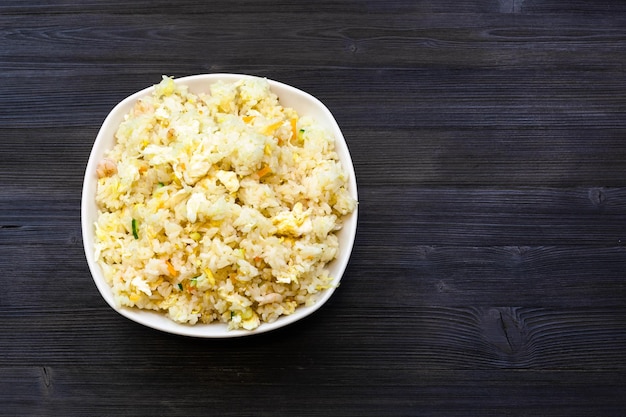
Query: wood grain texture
134	388
487	278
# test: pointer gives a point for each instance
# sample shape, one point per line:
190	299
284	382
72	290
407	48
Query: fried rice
219	207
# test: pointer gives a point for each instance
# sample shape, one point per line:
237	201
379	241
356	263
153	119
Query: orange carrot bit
264	171
170	268
247	119
294	129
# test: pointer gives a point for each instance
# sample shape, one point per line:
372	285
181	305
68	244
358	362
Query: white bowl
304	104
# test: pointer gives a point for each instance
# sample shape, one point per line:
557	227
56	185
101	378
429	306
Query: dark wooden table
489	273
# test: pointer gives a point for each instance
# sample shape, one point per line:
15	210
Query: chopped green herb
302	130
134	225
180	286
161	185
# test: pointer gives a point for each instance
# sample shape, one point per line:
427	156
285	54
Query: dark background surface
488	275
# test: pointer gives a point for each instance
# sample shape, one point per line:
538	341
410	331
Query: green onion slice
134	224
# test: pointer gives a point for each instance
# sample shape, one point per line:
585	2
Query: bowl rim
287	95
